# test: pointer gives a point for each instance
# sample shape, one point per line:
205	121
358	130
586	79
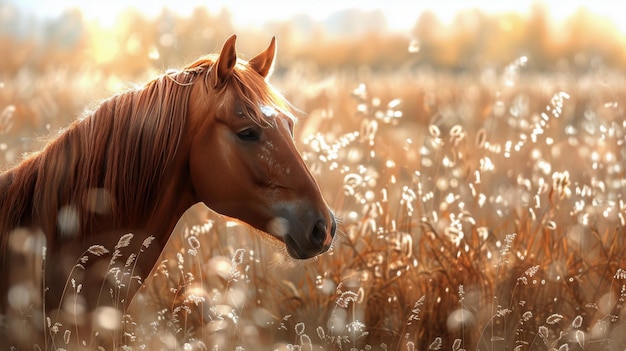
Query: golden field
481	203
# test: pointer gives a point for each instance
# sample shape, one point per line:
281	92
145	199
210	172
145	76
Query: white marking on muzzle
278	227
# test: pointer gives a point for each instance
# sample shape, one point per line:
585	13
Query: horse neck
22	202
16	188
16	191
18	185
174	198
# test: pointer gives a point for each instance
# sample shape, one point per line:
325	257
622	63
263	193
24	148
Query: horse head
243	161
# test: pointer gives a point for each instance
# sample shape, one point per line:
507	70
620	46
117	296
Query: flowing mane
137	129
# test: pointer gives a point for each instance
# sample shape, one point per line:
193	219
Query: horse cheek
205	174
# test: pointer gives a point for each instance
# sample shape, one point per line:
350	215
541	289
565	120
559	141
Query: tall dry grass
482	211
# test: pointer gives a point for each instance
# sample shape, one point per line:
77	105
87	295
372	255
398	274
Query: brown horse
214	132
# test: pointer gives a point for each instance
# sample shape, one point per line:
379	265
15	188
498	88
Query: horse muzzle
305	232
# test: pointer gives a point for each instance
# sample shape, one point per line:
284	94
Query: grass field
478	211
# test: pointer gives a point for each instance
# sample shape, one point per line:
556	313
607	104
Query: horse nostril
318	236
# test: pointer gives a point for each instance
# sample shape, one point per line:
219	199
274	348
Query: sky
401	14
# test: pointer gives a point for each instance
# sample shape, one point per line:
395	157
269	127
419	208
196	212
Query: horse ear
225	63
264	62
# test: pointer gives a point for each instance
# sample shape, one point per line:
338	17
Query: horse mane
121	147
116	154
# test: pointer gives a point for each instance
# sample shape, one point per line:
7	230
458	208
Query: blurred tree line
350	39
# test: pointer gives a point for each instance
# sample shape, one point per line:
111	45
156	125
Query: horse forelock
248	89
257	95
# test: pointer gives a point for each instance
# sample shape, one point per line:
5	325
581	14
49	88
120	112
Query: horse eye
249	134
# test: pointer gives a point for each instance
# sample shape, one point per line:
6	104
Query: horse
215	132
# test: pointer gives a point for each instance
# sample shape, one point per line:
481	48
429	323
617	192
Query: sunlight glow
400	15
